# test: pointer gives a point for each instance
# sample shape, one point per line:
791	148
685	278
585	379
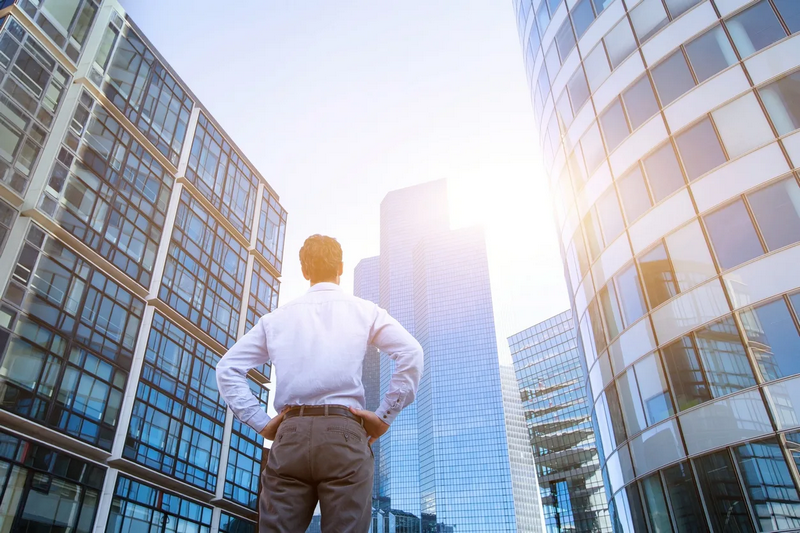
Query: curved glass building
669	133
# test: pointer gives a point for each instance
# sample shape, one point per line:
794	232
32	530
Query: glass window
597	67
565	40
653	389
755	28
732	235
630	294
610	216
773	338
710	53
582	17
610	307
592	147
722	493
591	227
691	260
614	125
672	78
686	507
620	42
578	90
657	510
790	13
679	7
635	198
640	102
777	211
725	361
647	18
615	413
600	5
7	217
140	507
683	364
234	524
783	105
552	61
769	484
699	149
631	403
663	172
543	82
564	109
742	125
542	17
659	278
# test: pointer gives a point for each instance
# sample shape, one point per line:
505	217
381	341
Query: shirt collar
325	286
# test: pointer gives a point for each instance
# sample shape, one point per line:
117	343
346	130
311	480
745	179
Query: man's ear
306	276
341	268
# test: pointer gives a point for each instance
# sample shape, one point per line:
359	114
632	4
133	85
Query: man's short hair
320	258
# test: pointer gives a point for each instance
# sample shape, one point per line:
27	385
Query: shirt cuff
387	411
259	421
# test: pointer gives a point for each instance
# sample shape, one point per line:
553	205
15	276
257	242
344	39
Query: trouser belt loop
326	409
302	409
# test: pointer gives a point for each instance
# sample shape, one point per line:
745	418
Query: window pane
684	498
630	294
632	189
672	78
596	67
755	28
614	125
62	11
564	110
777	212
612	400
769	484
732	235
782	100
565	40
663	172
552	61
679	7
647	18
631	403
610	216
683	366
653	389
659	279
722	494
620	42
582	16
592	146
710	53
657	510
578	90
543	82
610	307
726	365
542	17
773	339
790	12
690	257
700	149
591	227
640	102
742	125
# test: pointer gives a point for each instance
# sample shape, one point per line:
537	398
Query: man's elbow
418	358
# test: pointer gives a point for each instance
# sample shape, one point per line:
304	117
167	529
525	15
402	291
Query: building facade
524	480
669	135
551	384
137	243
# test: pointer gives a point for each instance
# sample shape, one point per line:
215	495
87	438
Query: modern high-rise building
524	480
550	381
669	133
137	243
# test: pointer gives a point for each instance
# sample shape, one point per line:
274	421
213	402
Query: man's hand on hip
271	429
372	423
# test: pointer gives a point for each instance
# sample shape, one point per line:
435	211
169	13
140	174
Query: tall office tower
669	134
137	243
407	215
524	480
551	383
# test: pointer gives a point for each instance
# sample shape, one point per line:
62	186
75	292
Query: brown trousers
320	458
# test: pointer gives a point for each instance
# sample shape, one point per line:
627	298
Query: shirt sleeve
391	338
249	352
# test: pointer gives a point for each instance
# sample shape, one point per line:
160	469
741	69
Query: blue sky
338	103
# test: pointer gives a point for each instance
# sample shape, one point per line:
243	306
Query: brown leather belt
322	410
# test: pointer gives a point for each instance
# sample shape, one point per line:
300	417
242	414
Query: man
322	436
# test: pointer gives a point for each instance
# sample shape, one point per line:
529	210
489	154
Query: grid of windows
144	91
178	418
7	217
66	23
233	524
67	341
140	507
108	191
32	85
222	176
271	230
244	459
263	294
204	274
42	489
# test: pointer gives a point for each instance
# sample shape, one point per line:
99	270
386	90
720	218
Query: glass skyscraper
444	464
137	243
669	133
551	384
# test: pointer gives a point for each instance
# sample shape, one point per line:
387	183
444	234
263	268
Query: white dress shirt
316	345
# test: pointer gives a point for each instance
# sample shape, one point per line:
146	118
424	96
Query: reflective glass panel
631	403
700	149
610	307
722	493
596	67
633	191
592	146
582	16
640	102
683	365
659	278
657	510
578	90
614	125
630	294
663	172
610	216
773	338
679	7
790	13
685	500
782	102
647	18
691	260
565	40
732	234
727	367
653	389
742	125
710	53
755	28
672	78
620	42
777	211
